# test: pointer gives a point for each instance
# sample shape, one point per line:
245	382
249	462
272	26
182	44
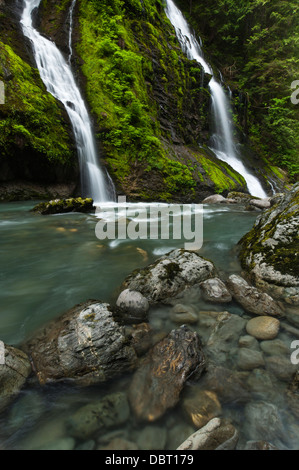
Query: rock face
270	251
170	275
251	299
158	382
63	206
85	345
13	375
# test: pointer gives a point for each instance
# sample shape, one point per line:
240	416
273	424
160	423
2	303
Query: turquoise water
48	265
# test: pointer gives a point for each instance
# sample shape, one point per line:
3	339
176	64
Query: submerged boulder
63	206
270	251
13	374
170	275
85	345
158	382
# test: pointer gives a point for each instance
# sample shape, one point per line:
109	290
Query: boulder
170	275
270	251
261	204
263	328
218	434
214	290
133	305
214	199
63	206
13	374
85	345
251	299
158	382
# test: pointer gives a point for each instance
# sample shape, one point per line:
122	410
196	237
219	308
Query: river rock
177	433
263	421
152	438
249	359
229	385
158	382
113	410
281	367
170	275
85	345
120	445
214	199
218	434
269	252
214	290
200	406
183	314
241	198
251	299
13	374
262	385
263	328
134	306
249	342
63	206
259	445
261	204
275	347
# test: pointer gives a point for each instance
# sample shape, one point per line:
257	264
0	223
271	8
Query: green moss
30	115
222	181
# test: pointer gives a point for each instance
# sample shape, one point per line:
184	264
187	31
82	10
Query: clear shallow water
49	264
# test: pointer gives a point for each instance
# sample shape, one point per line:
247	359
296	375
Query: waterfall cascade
222	143
58	78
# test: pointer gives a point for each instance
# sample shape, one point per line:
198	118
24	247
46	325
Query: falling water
58	78
71	14
222	141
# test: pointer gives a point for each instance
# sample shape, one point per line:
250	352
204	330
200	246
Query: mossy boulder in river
63	206
270	251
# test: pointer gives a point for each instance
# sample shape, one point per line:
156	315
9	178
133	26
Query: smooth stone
262	385
200	406
263	328
249	342
183	314
214	290
215	435
157	384
13	375
170	275
134	306
251	299
214	199
249	359
281	367
151	438
275	347
261	204
262	420
111	411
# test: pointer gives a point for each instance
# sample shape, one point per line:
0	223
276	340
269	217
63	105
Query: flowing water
49	264
58	78
222	142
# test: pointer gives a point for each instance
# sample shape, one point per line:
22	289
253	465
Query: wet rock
85	345
158	382
170	275
230	386
183	314
87	445
249	359
142	337
13	374
63	206
224	338
264	328
28	407
216	435
152	438
200	406
281	367
259	445
214	199
249	342
113	410
261	204
134	306
251	299
241	198
263	421
292	395
261	385
269	252
67	443
177	434
275	347
214	290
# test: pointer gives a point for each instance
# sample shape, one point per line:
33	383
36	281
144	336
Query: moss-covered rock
270	251
63	206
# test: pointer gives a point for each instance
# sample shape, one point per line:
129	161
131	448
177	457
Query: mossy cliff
150	105
35	137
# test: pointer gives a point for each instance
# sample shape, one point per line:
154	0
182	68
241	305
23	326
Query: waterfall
71	13
58	78
222	142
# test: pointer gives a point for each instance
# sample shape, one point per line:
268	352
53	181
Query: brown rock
158	382
263	328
